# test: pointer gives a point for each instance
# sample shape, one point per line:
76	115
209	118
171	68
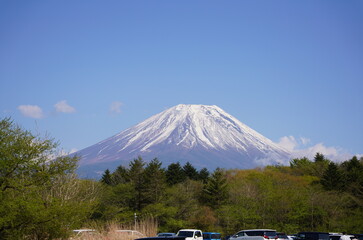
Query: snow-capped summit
206	136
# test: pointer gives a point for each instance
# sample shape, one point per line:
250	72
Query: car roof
189	230
248	230
349	235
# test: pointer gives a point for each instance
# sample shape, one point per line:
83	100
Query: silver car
255	234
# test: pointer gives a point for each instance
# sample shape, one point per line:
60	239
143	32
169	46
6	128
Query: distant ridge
204	135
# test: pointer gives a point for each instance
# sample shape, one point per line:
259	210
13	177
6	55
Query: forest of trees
41	196
309	195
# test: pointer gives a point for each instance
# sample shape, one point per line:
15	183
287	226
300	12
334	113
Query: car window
254	233
185	233
270	233
198	234
239	234
206	235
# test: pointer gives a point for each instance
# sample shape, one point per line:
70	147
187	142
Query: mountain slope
204	135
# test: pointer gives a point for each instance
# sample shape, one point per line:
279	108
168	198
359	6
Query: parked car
282	236
292	237
255	234
211	236
190	234
162	238
341	237
84	231
129	234
166	234
313	236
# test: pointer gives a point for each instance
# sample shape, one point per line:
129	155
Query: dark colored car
282	236
166	234
163	238
211	236
313	236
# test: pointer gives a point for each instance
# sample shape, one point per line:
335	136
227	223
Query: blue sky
82	71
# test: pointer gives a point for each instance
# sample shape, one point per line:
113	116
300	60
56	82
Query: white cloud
288	142
116	107
299	148
305	140
63	107
32	111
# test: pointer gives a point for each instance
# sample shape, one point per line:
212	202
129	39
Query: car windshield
282	235
185	233
216	236
313	236
324	236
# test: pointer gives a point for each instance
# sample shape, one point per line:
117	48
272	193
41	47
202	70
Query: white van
190	234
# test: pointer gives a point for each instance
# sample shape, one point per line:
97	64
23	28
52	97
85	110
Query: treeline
41	197
310	195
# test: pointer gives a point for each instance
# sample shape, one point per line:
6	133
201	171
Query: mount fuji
205	136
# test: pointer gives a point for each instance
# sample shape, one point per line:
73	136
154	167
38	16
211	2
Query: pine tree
203	175
353	171
175	174
332	178
106	177
190	171
215	192
155	182
137	179
319	157
120	175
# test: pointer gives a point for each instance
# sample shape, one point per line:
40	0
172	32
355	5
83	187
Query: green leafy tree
116	203
320	165
301	166
39	194
183	197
